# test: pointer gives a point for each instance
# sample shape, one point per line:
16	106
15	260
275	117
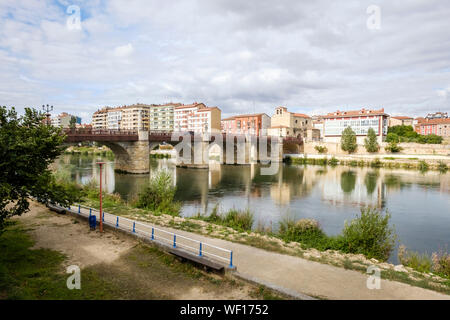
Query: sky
313	57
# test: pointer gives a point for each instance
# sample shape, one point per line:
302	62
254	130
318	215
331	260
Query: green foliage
305	231
369	234
27	148
423	166
419	262
376	163
348	140
240	220
321	149
393	147
392	137
72	123
158	195
407	134
370	143
333	162
442	167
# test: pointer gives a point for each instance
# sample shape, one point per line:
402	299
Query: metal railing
199	248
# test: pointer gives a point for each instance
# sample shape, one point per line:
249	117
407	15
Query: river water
419	203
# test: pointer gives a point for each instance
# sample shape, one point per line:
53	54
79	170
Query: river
419	203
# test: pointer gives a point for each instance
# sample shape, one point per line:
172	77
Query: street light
47	110
101	211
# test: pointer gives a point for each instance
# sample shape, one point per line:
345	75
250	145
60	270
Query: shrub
442	167
423	166
419	262
441	263
392	137
240	220
158	195
393	147
370	143
333	162
369	234
348	140
376	163
305	231
321	149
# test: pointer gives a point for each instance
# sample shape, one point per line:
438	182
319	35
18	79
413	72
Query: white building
113	119
360	121
162	117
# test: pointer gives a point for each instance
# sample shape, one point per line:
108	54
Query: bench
197	259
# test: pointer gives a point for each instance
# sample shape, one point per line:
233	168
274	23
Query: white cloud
123	51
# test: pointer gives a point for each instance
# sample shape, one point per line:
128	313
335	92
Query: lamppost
47	110
101	194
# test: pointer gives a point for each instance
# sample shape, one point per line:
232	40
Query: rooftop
355	113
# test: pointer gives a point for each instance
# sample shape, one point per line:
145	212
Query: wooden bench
184	255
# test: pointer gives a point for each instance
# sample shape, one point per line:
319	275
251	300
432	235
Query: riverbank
38	246
270	243
417	162
89	150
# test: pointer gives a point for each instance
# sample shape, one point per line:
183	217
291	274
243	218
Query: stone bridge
132	148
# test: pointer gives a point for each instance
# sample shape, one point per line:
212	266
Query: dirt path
140	271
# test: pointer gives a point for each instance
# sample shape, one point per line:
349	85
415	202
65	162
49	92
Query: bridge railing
193	246
84	131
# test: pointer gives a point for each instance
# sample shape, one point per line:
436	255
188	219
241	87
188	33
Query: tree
72	123
27	148
348	140
393	147
370	142
392	137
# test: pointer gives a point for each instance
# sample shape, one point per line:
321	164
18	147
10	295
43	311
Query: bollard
103	216
134	227
231	260
90	211
174	240
153	233
200	251
117	222
79	209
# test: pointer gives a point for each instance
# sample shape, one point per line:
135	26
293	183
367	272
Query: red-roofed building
400	121
291	124
197	117
440	127
254	124
359	120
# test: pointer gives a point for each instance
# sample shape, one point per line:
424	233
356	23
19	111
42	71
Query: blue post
117	222
90	211
103	216
174	240
153	233
231	260
200	252
134	227
79	209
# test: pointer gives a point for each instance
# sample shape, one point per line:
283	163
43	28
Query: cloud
248	56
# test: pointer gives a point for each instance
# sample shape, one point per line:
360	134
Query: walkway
304	277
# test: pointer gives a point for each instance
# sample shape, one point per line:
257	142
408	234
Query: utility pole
47	110
101	194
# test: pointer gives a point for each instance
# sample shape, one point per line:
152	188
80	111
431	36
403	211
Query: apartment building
162	116
401	121
114	118
360	121
254	124
291	124
437	126
135	117
197	117
437	115
63	120
100	118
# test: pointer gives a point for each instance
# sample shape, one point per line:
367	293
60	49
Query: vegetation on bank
438	262
160	155
88	150
239	220
421	165
369	234
398	134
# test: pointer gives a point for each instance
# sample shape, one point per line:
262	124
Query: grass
239	220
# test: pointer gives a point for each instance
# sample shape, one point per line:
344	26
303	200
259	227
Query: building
437	115
100	118
401	121
289	124
114	118
360	121
162	116
254	124
63	120
197	117
135	117
437	126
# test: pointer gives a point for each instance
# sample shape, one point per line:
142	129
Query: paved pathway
304	277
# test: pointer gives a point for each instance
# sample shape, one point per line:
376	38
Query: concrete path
304	277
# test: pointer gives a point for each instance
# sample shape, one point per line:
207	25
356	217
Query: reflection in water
419	203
